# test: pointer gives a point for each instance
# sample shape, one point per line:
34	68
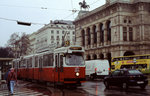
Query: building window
52	37
124	33
95	34
130	34
101	33
57	32
63	32
52	31
57	43
83	37
88	57
108	30
130	22
52	41
89	36
73	38
57	37
73	32
125	21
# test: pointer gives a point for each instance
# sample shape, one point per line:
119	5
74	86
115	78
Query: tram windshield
74	59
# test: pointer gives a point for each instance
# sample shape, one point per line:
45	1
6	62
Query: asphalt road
89	88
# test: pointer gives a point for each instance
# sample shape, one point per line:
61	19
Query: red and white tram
64	65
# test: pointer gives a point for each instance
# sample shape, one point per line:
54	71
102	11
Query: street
89	88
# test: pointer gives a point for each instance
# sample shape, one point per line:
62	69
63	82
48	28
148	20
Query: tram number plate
140	82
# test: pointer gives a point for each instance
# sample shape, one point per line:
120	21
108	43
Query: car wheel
125	86
106	84
142	86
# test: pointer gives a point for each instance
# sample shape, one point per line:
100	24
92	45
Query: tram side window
143	57
24	63
50	60
14	63
30	63
36	61
138	66
19	64
61	60
148	57
56	60
45	60
40	62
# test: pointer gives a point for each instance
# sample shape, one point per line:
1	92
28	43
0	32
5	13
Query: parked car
125	78
97	69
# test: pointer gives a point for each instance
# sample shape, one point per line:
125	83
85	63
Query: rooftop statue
83	5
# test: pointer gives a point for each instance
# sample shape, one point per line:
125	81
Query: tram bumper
74	80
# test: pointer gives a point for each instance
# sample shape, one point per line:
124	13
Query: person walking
12	78
8	82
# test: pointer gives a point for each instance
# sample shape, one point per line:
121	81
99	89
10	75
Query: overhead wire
34	7
94	2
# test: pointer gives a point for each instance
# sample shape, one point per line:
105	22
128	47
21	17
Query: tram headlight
77	74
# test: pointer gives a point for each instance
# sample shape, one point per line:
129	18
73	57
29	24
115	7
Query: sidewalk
20	90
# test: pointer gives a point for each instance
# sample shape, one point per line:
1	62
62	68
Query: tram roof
65	49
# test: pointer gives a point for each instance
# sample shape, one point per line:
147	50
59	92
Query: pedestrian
6	78
13	79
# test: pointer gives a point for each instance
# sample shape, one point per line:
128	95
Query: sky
38	12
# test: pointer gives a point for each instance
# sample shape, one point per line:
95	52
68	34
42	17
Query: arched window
88	57
94	56
83	37
108	30
128	53
101	56
101	32
89	36
130	34
95	34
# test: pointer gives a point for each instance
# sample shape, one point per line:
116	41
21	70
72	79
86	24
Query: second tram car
64	65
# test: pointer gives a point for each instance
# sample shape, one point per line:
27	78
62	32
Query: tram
61	66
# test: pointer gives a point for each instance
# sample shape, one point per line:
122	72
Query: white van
97	68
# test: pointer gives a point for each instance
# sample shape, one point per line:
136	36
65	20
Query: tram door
59	68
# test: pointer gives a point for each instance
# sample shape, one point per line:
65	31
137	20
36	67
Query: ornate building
118	28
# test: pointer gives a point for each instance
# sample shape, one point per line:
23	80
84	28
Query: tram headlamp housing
77	74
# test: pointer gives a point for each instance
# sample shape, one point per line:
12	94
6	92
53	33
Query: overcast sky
36	11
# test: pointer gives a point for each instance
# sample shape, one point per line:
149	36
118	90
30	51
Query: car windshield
134	72
74	59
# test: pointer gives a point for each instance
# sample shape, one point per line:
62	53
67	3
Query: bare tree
24	44
19	44
13	42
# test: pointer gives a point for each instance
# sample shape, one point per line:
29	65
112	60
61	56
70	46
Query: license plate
140	82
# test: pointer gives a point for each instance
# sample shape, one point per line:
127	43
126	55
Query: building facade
52	35
118	28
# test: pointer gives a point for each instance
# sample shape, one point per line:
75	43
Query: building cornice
107	6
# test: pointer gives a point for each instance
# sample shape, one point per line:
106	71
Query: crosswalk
21	90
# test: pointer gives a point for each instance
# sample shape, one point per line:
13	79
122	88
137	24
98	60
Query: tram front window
74	59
